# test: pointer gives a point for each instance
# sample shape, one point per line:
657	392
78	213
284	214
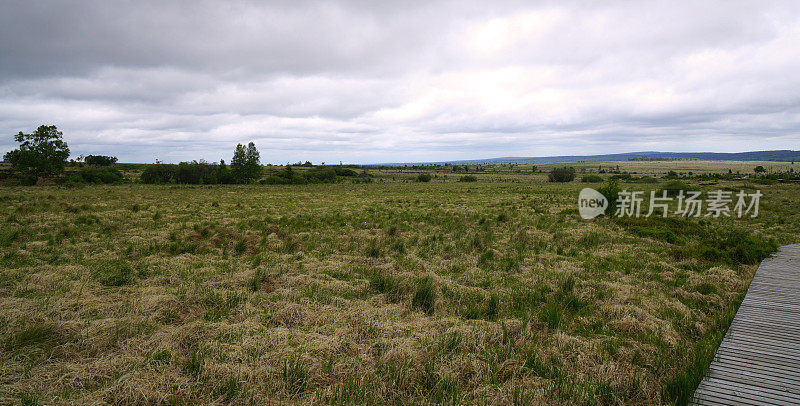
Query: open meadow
390	291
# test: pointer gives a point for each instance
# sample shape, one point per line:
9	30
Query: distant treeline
44	154
661	158
204	173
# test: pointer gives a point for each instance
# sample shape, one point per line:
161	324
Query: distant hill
776	155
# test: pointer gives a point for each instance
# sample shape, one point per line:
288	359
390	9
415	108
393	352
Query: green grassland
388	292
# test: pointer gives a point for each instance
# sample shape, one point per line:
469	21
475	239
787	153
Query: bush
286	176
96	175
611	192
561	174
424	177
159	173
345	172
100	160
196	173
468	178
321	175
592	179
739	247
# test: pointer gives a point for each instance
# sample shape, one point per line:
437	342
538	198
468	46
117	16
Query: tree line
245	168
44	153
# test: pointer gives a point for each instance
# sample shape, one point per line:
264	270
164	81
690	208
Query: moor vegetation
487	289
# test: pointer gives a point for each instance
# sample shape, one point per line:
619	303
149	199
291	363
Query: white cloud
378	82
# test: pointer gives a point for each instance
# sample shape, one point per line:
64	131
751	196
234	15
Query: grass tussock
424	296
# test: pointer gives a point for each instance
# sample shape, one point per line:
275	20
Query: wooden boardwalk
758	362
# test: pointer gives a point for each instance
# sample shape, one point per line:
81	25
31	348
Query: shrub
100	160
425	296
611	192
468	178
345	172
321	175
159	173
424	177
740	247
197	173
592	179
224	175
561	174
730	246
286	176
96	175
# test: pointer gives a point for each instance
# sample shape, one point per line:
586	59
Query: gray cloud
364	81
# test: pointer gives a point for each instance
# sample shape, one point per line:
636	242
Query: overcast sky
397	81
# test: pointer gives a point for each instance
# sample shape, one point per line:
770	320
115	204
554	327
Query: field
392	291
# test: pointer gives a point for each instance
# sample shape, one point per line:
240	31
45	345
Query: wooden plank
754	374
731	364
737	394
771	394
758	361
751	382
761	357
788	332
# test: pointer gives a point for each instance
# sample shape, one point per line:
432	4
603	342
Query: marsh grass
389	292
424	296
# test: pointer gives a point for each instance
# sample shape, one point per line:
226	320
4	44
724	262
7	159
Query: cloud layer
361	81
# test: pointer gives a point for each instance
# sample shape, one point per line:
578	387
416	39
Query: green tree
759	169
246	163
223	174
43	153
100	160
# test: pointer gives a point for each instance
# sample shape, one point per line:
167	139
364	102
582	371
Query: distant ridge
783	155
